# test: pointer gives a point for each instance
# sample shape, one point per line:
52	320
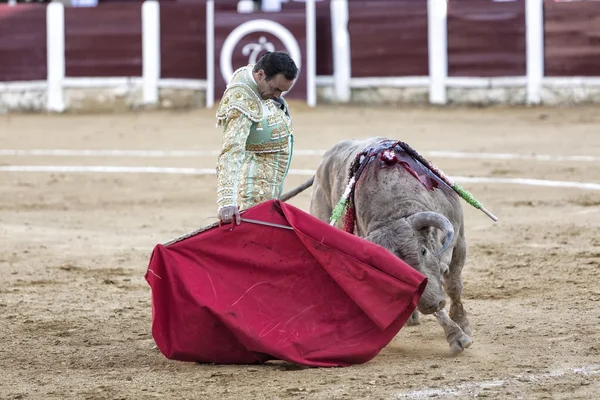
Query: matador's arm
236	128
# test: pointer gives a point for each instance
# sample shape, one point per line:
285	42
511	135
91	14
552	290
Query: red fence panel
388	38
324	44
23	42
572	38
103	41
241	39
486	39
183	40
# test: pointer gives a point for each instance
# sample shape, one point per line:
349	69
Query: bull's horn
428	218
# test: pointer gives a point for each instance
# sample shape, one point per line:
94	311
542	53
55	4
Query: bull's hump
386	154
391	159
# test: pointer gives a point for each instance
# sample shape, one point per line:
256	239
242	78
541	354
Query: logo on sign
253	49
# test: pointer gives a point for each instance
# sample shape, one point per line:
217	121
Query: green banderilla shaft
468	197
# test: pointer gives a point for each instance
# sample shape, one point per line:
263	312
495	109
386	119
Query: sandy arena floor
74	246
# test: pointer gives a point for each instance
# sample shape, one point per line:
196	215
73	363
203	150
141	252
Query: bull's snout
433	307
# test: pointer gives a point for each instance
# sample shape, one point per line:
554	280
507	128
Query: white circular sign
257	25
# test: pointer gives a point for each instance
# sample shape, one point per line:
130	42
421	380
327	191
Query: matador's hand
226	214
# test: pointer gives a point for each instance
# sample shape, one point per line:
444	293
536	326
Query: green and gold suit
257	144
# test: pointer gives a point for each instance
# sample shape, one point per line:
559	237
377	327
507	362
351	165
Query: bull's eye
423	251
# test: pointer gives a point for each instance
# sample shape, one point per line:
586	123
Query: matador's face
274	87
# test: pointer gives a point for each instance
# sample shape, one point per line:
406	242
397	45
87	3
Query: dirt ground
74	246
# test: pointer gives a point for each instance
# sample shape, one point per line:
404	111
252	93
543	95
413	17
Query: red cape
313	295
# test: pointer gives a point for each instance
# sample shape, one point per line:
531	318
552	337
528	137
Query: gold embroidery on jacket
250	173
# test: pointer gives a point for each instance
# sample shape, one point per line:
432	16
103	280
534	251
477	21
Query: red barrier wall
324	45
486	39
23	42
249	48
572	38
183	40
388	38
104	40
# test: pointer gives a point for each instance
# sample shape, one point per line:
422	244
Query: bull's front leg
457	310
453	286
455	336
414	319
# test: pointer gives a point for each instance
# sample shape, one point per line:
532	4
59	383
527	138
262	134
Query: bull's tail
286	196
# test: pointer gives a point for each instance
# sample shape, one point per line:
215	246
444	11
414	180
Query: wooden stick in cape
468	197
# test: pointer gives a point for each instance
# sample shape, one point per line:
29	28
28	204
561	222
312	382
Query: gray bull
396	211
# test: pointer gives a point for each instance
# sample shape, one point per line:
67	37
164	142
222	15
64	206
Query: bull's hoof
414	319
459	345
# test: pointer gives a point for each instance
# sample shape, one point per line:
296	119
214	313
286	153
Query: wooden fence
483	51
